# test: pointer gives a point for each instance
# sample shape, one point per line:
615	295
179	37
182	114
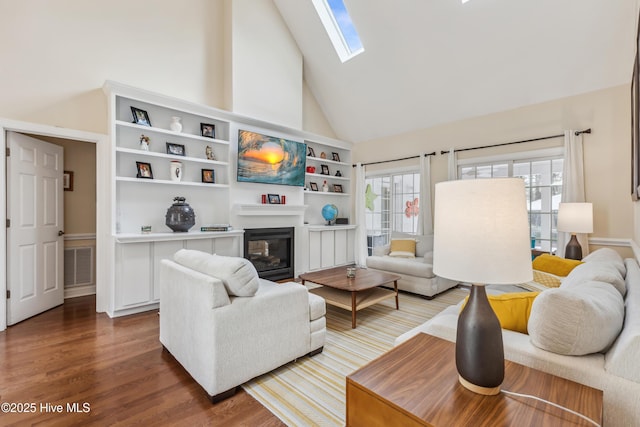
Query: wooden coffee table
352	293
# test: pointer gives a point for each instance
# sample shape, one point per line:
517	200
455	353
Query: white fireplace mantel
258	209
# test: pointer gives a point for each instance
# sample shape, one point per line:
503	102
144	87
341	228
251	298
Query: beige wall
265	64
606	150
56	55
314	120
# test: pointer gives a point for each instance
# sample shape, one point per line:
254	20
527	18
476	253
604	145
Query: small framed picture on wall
175	149
208	176
274	199
67	181
207	130
140	117
144	170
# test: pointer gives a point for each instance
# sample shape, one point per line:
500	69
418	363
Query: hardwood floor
114	369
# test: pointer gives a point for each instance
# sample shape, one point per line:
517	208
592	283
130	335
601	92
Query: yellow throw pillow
546	279
513	309
403	248
554	264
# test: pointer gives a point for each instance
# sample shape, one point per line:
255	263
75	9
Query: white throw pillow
577	321
239	276
607	255
599	271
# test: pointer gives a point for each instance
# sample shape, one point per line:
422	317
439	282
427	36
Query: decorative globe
330	213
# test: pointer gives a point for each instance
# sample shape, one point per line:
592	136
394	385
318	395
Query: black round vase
180	216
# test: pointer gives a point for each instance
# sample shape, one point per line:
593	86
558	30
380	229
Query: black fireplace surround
270	250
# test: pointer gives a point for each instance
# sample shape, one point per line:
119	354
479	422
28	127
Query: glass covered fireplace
270	250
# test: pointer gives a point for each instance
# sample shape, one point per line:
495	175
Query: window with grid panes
543	185
395	207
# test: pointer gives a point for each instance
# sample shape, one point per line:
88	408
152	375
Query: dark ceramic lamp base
479	348
573	250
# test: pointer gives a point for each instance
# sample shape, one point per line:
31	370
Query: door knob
60	233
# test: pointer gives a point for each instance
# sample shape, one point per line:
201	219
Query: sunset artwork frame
270	160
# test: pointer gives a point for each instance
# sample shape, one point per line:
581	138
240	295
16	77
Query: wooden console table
416	384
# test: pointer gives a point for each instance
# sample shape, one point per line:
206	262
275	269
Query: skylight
340	28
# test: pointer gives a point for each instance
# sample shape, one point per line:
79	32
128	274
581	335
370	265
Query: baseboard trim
79	291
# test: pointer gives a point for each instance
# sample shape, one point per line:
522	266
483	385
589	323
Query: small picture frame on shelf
274	199
140	117
67	181
325	170
208	176
310	152
313	186
208	130
337	188
144	170
175	149
335	157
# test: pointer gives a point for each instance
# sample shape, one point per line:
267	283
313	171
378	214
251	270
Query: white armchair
224	340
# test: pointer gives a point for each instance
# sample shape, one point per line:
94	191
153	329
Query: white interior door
35	246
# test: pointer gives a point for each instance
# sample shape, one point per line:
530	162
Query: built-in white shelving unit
336	173
133	259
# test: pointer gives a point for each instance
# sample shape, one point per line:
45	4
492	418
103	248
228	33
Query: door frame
102	204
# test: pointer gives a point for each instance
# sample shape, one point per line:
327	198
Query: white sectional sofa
226	326
615	369
416	273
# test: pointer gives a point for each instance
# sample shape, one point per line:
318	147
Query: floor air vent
78	266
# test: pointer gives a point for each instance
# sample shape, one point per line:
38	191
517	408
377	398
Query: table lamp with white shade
481	236
575	218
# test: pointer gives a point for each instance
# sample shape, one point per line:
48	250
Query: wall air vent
78	266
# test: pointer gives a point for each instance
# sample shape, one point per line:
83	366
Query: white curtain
572	185
452	165
361	230
425	217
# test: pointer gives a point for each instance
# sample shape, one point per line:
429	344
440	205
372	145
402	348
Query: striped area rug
311	391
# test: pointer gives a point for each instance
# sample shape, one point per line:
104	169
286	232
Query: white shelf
268	209
321	176
170	132
325	193
331	227
169	156
167	182
321	160
161	237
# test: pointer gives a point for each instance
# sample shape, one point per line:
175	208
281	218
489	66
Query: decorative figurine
175	124
144	142
209	152
325	187
338	173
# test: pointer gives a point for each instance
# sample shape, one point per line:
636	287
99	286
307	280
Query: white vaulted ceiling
428	62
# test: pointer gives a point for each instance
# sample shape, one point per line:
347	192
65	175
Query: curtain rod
578	132
396	160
